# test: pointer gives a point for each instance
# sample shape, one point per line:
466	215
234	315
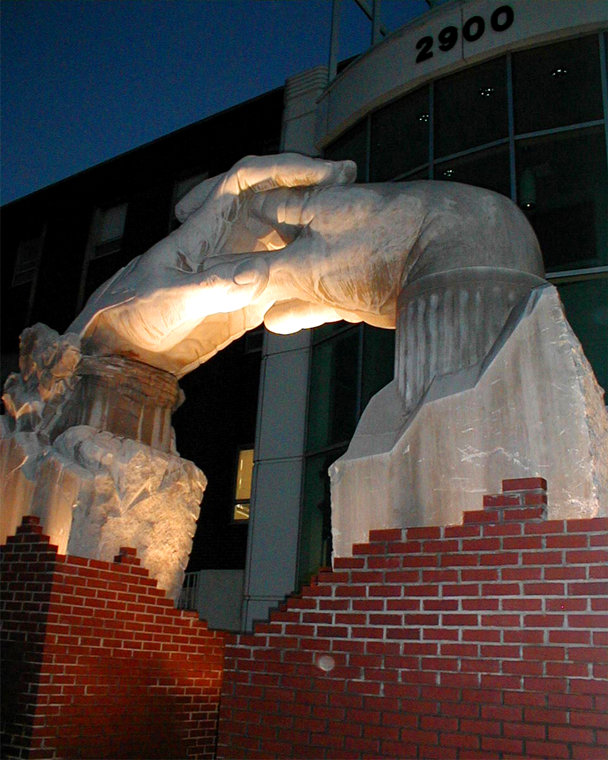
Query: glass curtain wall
531	125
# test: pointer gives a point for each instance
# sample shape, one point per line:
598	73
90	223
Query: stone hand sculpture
288	241
184	299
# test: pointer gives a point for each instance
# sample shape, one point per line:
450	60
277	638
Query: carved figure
324	250
290	241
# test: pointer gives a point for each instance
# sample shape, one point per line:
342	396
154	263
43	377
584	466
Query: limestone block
532	407
87	446
136	496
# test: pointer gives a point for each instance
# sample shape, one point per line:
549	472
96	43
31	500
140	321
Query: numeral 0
472	29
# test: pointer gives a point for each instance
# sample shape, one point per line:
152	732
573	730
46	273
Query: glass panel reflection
333	390
352	144
315	526
400	136
242	487
557	85
562	187
586	305
471	108
486	168
378	361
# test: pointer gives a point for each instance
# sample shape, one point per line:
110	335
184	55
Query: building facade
509	96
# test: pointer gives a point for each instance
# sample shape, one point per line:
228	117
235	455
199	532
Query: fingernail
250	271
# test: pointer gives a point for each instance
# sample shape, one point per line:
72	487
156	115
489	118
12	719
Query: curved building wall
508	96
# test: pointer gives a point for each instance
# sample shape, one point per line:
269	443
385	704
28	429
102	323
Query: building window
471	108
349	364
483	168
400	136
562	186
352	145
557	85
530	125
242	486
26	263
110	227
180	189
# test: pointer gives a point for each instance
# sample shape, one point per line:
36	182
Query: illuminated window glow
242	486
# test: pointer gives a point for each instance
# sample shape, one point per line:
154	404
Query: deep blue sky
86	80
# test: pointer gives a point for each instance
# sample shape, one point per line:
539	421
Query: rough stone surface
97	490
531	408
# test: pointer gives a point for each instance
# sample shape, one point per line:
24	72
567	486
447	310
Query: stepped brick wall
97	662
484	640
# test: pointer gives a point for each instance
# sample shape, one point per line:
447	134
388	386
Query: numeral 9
447	37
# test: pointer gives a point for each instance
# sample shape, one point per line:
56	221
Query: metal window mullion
409	173
560	130
88	255
511	127
470	151
334	40
584	272
34	280
368	147
431	104
604	86
360	350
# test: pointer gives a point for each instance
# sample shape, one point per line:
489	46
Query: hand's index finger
262	173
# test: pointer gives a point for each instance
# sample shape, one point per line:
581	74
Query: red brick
423	533
524	484
521	514
588	525
588	719
521	573
481	516
568	541
419	737
571	734
587	556
389	534
522	542
500	500
482	727
464	741
588	621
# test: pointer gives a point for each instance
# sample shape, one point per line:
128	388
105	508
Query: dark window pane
378	361
486	168
315	521
471	108
557	85
400	136
586	304
352	144
563	189
333	390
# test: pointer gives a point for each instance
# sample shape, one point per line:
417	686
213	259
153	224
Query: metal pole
333	42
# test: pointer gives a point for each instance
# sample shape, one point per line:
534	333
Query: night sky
86	80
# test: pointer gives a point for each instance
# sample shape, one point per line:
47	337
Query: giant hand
283	240
178	304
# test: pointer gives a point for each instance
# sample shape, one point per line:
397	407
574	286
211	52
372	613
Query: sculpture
290	241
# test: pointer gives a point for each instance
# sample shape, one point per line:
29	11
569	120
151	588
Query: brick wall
485	640
96	661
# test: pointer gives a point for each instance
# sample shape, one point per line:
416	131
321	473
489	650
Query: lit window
26	263
242	486
110	229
